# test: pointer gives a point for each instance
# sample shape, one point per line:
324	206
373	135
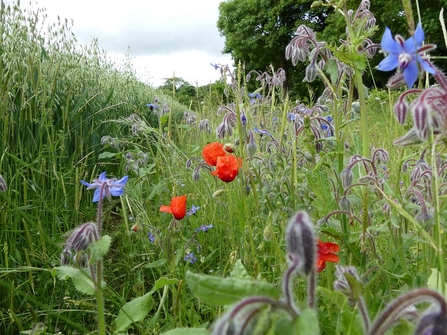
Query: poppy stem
311	288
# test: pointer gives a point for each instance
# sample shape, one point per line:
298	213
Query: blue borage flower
193	210
205	228
152	106
112	186
405	54
190	258
215	65
151	236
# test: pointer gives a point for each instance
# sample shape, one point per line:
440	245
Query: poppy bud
229	147
218	193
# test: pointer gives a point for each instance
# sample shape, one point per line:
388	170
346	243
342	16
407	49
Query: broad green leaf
188	331
434	281
332	69
226	291
133	311
163	281
239	271
164	119
107	155
81	280
285	326
307	322
99	248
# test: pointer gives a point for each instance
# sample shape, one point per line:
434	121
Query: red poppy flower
227	168
326	254
177	207
212	151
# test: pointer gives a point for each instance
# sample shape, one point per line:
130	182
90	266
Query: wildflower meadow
123	211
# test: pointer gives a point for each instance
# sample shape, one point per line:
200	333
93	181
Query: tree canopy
257	31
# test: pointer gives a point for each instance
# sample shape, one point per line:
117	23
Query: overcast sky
164	36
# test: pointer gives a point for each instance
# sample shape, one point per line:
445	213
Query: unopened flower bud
311	72
344	204
348	282
346	177
3	186
218	193
420	118
229	147
268	233
400	110
300	240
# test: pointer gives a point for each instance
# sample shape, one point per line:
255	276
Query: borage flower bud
311	72
346	177
3	186
420	118
300	240
400	110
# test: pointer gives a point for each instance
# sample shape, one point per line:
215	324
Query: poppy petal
327	247
166	209
178	207
212	151
329	258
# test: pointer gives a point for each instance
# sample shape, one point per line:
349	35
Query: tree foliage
257	31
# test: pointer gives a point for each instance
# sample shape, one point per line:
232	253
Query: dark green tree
257	32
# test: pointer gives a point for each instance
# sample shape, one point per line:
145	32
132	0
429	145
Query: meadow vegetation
239	211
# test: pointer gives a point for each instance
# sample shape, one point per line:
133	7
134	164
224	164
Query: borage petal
389	44
411	74
389	63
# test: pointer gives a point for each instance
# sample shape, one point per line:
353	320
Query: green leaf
285	326
133	311
188	331
81	279
332	69
107	155
239	271
163	281
434	281
99	248
226	291
307	322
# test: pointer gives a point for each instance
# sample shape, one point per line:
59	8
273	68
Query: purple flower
216	66
193	210
152	106
205	228
405	54
110	186
261	131
189	258
151	237
255	95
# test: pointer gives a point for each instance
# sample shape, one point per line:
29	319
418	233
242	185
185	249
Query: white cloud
164	36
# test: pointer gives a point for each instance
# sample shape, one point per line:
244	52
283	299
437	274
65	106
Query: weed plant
233	215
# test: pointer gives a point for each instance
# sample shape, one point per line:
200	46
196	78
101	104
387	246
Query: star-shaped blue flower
404	54
111	186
